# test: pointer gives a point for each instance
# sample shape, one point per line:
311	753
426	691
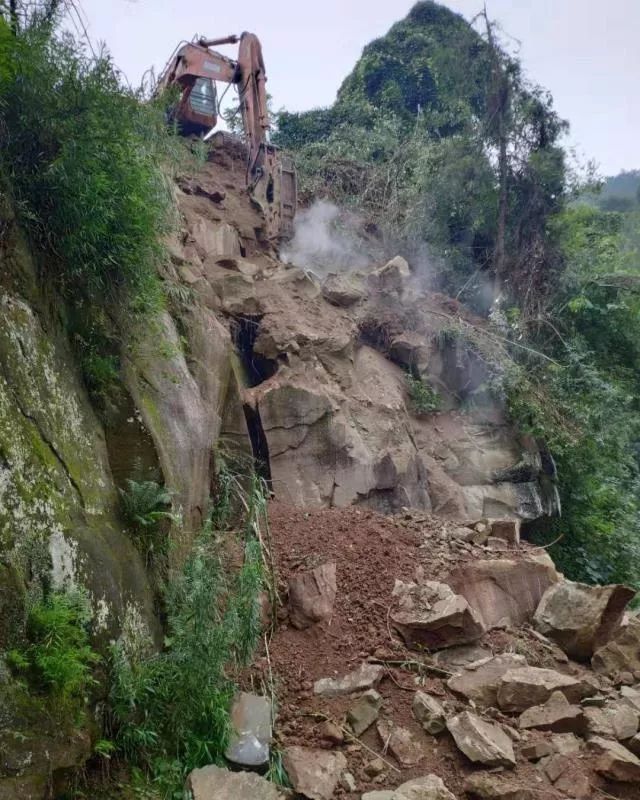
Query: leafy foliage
423	397
83	157
172	708
58	658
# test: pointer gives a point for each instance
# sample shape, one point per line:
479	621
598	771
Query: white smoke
325	240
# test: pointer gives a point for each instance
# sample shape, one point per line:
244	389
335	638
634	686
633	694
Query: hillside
351	515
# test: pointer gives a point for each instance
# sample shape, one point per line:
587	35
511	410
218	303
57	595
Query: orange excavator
195	70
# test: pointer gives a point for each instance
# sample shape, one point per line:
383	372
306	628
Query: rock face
503	591
481	742
432	615
311	596
365	677
215	783
479	682
581	618
522	688
313	773
250	735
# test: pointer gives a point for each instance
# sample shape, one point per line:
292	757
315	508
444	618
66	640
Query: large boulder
481	742
216	783
522	688
503	590
391	277
313	773
616	721
621	653
311	595
581	618
431	615
480	681
342	289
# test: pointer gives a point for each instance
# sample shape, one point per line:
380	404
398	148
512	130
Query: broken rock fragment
250	730
429	713
364	712
581	618
479	682
557	714
313	773
431	615
365	677
400	743
481	742
215	783
430	787
312	595
614	761
621	653
341	289
522	688
489	786
616	721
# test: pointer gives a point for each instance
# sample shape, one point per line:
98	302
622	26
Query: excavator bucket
273	188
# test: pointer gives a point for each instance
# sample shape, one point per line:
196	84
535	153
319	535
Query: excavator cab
195	69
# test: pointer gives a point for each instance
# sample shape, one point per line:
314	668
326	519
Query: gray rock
534	751
432	615
365	677
312	772
506	529
429	713
364	712
348	782
522	688
312	595
489	786
581	618
480	681
462	655
215	783
341	290
613	722
400	743
482	742
565	744
614	761
250	730
557	714
429	787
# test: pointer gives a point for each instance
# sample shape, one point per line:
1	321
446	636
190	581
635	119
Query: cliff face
320	367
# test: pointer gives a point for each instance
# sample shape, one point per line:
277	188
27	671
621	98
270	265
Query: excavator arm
195	68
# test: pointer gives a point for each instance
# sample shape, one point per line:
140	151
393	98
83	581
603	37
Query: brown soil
370	552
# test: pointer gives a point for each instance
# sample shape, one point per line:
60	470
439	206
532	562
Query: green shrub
424	399
172	708
58	658
84	157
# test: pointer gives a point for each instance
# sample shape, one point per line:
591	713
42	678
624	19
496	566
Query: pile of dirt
370	553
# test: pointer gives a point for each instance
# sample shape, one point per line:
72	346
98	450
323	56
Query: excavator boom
196	69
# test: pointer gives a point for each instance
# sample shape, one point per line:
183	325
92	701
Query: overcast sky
587	52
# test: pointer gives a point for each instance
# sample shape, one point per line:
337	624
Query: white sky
587	52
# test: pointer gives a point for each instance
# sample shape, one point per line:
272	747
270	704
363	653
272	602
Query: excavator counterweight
195	70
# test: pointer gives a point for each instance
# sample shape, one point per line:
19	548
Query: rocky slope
411	661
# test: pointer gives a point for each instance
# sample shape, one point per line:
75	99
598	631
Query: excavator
194	68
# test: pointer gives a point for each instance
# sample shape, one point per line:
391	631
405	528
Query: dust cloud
324	241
